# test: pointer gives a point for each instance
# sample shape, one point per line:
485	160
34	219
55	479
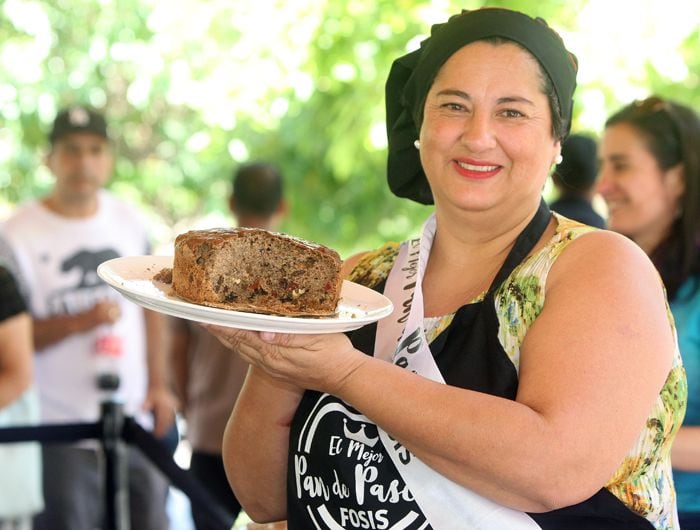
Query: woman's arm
686	449
16	357
592	366
255	445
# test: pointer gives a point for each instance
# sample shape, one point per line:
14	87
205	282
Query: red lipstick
476	169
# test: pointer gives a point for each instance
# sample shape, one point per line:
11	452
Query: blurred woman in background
650	180
20	487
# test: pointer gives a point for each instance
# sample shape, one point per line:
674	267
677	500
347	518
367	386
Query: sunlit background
194	87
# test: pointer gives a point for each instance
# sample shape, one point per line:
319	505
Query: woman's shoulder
604	247
575	250
603	256
591	245
371	268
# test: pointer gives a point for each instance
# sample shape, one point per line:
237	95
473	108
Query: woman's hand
317	362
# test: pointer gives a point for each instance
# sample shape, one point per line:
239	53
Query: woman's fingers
268	336
255	347
319	362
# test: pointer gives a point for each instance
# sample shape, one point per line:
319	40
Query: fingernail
267	336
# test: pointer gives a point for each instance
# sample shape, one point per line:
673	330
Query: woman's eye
453	106
512	113
618	167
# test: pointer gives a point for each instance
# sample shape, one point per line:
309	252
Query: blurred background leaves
192	88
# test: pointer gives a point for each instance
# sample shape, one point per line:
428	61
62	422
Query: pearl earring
417	144
558	160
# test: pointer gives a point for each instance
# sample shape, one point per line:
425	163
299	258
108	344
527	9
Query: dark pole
116	470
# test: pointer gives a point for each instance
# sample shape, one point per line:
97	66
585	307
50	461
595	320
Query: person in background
20	486
574	179
90	343
650	180
506	390
208	376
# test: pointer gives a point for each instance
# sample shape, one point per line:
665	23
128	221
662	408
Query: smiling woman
488	400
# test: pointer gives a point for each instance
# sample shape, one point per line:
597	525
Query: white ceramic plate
133	278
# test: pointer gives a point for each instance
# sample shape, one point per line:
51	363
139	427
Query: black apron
469	355
479	363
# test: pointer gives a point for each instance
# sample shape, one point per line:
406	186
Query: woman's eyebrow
515	99
464	95
454	92
617	157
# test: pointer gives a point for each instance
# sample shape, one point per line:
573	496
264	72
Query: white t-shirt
57	258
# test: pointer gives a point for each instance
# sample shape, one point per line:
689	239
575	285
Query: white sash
446	504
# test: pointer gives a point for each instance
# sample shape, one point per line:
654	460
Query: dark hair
577	172
257	188
672	133
560	126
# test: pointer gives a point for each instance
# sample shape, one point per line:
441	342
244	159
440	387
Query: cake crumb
164	275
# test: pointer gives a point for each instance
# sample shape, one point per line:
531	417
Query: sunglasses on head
653	104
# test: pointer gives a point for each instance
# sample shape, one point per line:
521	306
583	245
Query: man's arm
48	331
160	398
181	337
686	449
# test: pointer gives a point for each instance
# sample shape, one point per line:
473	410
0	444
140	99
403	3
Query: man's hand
54	329
104	312
162	403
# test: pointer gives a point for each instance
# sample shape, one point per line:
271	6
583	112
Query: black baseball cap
78	119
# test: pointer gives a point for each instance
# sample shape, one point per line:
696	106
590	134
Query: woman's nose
477	134
604	182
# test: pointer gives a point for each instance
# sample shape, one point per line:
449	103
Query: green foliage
324	143
193	88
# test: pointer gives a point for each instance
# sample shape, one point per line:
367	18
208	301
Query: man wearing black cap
90	343
574	179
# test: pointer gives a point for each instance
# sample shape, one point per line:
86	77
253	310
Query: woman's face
642	198
486	138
